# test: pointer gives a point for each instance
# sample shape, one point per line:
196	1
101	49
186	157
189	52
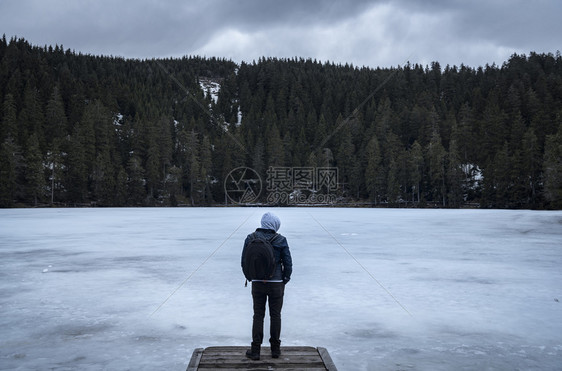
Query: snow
210	87
213	87
118	119
473	174
239	117
381	289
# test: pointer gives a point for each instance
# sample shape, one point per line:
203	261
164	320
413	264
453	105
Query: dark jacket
281	252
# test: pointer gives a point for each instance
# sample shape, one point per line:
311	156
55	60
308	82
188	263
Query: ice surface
381	289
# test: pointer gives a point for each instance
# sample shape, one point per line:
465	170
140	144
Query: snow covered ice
381	289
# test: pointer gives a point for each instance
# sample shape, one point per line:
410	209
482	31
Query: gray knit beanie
270	221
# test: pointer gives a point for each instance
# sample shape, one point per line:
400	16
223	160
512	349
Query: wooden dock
234	358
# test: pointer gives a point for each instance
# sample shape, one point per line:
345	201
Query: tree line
100	130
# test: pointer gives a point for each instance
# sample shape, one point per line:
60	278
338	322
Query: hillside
99	130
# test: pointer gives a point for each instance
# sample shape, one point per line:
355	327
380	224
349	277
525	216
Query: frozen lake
381	289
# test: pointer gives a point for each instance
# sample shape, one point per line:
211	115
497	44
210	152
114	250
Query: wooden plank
242	348
273	362
208	358
281	364
223	358
263	368
330	365
195	359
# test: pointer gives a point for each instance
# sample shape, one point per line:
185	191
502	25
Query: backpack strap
272	238
275	248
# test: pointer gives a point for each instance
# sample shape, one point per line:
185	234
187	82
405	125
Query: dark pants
261	292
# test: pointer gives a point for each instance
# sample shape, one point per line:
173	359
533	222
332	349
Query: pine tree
504	181
436	156
206	171
120	198
552	167
104	179
416	170
152	165
346	161
467	147
312	160
136	192
80	148
172	185
224	164
258	157
392	182
374	175
34	170
56	175
9	123
274	146
194	168
530	173
55	117
165	142
392	153
493	130
31	118
497	180
102	123
10	163
455	175
85	132
300	149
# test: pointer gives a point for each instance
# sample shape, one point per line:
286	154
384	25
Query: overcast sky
361	32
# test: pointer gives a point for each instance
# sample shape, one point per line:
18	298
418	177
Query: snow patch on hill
210	86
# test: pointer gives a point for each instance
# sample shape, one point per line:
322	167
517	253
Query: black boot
275	349
253	353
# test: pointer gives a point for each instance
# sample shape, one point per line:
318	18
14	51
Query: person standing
271	290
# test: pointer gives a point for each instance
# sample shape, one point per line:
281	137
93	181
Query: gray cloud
362	32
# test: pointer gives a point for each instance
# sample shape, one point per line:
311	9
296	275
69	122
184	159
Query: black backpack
258	261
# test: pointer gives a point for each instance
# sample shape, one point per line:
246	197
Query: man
271	290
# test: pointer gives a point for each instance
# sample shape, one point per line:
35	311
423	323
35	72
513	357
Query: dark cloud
362	32
521	26
259	13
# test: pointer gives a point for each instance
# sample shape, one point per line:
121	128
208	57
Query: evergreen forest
85	130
